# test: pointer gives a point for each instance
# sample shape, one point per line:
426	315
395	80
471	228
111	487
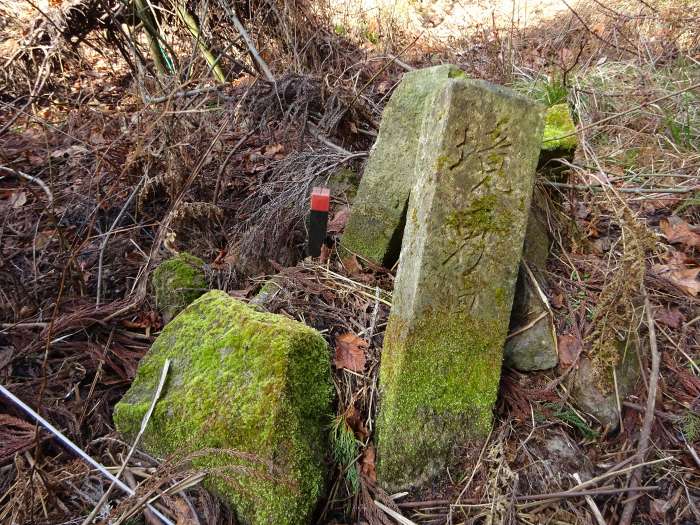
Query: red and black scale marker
318	220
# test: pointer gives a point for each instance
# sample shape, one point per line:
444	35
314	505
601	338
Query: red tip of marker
320	199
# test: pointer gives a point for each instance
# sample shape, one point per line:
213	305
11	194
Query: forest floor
107	168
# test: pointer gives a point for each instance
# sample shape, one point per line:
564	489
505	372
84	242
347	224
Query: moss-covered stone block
462	245
376	222
177	282
240	380
558	123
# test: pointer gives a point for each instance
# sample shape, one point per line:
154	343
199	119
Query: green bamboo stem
159	58
194	30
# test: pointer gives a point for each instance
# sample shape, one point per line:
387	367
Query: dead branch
649	414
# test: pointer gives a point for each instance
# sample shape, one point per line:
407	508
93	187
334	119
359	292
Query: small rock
532	347
243	381
266	294
593	387
177	282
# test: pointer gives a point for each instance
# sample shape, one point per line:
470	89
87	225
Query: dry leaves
351	265
569	349
353	417
350	352
671	317
367	463
339	220
677	231
678	272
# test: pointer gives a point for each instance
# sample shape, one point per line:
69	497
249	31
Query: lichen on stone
177	282
241	380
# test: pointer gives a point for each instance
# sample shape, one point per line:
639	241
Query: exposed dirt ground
108	166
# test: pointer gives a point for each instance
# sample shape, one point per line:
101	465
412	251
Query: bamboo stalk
194	30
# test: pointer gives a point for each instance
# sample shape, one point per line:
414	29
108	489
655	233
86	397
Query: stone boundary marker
477	150
375	226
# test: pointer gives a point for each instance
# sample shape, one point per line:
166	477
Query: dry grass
224	172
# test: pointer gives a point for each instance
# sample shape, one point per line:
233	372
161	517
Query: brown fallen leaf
354	420
683	278
339	220
569	349
671	317
351	265
367	463
676	230
350	352
273	149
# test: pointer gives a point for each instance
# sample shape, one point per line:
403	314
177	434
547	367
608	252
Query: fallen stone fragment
376	223
453	294
177	282
532	343
593	386
266	294
245	381
558	123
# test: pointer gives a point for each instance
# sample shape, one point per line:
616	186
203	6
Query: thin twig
584	187
35	180
108	235
635	478
144	423
249	42
398	517
591	503
76	449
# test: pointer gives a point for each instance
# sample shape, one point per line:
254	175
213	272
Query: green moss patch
242	380
439	382
177	282
557	123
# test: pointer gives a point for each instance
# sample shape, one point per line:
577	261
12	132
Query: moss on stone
177	282
453	293
558	122
241	380
439	382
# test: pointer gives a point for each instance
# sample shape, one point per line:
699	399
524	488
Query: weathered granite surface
376	223
462	245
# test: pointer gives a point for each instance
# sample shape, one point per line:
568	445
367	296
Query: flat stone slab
375	226
462	245
244	381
